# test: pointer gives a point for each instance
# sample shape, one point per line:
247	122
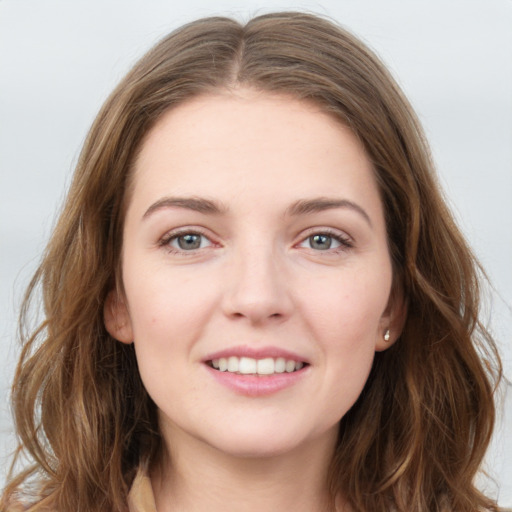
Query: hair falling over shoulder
415	438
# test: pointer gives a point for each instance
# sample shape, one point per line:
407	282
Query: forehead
234	143
256	117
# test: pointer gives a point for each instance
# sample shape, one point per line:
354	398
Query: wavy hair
415	438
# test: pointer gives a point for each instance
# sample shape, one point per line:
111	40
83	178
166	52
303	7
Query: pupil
189	242
321	242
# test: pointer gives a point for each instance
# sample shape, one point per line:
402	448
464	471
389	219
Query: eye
326	241
186	241
321	242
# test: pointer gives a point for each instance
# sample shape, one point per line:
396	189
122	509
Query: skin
257	279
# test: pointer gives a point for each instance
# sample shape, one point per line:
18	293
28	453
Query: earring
386	335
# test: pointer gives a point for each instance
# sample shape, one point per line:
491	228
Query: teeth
265	366
233	364
290	366
280	365
250	366
247	365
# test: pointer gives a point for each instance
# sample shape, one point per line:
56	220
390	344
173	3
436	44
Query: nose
256	286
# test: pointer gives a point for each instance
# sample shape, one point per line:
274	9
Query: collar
141	497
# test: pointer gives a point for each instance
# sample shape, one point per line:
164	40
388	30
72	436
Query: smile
252	366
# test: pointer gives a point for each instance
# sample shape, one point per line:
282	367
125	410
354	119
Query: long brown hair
415	438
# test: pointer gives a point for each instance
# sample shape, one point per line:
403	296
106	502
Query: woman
256	288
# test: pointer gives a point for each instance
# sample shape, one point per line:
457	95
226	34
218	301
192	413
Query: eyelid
164	241
345	240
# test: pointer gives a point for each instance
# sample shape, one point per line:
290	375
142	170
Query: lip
254	385
255	353
257	385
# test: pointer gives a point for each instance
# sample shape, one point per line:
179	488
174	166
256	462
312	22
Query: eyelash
345	242
166	240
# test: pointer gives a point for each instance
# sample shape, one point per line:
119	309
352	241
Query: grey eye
189	241
320	242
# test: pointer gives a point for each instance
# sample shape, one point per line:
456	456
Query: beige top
141	498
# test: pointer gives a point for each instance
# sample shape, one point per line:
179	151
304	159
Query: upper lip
255	353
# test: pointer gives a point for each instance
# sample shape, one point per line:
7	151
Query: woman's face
256	273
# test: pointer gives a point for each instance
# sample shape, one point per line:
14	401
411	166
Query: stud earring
386	335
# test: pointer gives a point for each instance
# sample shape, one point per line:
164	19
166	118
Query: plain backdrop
60	59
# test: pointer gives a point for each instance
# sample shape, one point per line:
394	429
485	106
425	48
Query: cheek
348	309
168	312
345	317
348	328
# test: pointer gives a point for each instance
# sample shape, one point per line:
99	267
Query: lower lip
253	385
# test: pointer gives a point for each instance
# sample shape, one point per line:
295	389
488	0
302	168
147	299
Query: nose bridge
257	288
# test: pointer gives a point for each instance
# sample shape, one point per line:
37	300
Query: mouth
258	367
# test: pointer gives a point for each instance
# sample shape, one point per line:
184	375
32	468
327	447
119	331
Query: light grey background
60	59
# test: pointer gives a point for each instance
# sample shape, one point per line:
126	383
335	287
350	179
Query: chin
270	443
257	449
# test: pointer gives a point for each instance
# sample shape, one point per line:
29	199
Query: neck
200	477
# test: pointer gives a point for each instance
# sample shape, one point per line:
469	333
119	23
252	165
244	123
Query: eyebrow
197	204
301	207
320	204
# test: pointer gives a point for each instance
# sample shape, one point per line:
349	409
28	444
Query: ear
117	318
392	320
